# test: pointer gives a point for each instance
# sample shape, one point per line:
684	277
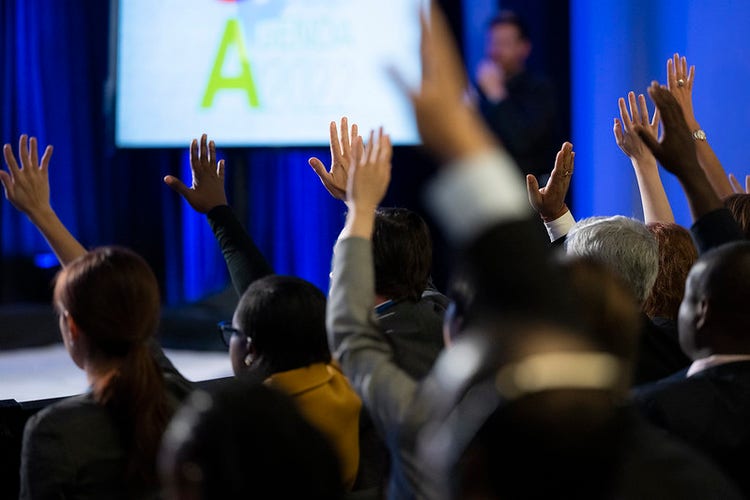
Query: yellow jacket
326	399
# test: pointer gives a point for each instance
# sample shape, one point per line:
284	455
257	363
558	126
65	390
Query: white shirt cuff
559	227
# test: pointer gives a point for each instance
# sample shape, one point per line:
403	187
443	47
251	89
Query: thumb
319	168
177	185
6	182
532	187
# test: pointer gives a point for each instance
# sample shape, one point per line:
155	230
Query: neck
99	373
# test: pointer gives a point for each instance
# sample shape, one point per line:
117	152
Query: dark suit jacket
710	410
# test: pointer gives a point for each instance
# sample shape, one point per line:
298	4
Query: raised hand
676	150
677	153
27	187
335	179
549	201
449	127
624	129
680	84
207	189
369	172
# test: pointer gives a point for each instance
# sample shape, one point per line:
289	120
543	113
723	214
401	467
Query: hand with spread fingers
335	179
27	188
680	84
549	201
207	189
624	129
676	151
656	207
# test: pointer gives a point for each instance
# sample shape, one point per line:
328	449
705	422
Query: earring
248	360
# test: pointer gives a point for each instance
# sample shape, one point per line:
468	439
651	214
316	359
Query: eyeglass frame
227	331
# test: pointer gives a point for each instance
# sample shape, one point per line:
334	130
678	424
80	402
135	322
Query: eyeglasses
226	331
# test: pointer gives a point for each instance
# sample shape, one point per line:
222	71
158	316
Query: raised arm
478	175
207	196
549	201
713	224
27	188
353	332
680	83
654	199
335	179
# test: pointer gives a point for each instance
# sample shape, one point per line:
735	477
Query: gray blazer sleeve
357	342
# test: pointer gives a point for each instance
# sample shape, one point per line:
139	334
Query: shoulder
63	412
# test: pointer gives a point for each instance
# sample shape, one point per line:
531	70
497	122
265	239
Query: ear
73	330
702	314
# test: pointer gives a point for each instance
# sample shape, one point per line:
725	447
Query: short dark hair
285	318
244	439
402	253
510	17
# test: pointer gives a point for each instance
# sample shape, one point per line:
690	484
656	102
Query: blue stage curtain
621	46
53	73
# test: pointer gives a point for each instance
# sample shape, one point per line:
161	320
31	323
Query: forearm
59	239
713	168
708	160
656	207
360	222
701	197
244	260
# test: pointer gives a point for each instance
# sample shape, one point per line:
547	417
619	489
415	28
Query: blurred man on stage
519	107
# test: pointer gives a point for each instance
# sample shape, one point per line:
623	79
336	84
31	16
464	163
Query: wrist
550	216
39	215
360	221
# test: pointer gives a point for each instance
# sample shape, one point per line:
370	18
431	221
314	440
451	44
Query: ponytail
136	399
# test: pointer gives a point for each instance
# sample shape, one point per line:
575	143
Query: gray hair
623	244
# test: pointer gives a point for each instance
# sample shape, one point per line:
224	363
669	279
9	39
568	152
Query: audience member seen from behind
627	247
518	106
103	444
408	308
246	440
278	329
547	401
708	405
278	333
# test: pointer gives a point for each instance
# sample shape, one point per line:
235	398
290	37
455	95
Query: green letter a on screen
243	81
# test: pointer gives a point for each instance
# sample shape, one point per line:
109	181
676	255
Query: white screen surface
262	72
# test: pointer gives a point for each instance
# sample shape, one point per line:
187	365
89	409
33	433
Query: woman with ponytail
102	444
